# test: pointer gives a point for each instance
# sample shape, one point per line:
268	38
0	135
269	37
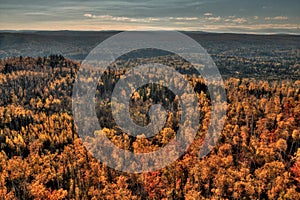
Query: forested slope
42	157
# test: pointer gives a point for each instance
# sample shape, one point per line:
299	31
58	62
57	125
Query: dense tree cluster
42	157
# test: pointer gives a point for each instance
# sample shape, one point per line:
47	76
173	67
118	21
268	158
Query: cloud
208	14
186	18
145	20
277	18
88	15
215	19
121	19
239	20
232	19
108	17
37	13
208	23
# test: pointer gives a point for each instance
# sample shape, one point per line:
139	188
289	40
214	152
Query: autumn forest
42	157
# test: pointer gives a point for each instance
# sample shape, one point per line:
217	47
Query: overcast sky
251	16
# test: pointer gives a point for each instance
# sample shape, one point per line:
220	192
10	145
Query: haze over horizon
229	16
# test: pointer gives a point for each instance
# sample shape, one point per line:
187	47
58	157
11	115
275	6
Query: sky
235	16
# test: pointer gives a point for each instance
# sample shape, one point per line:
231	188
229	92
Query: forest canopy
41	156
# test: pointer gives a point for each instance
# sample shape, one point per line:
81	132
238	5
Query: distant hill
77	44
234	54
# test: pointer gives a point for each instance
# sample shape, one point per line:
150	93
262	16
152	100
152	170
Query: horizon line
115	30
